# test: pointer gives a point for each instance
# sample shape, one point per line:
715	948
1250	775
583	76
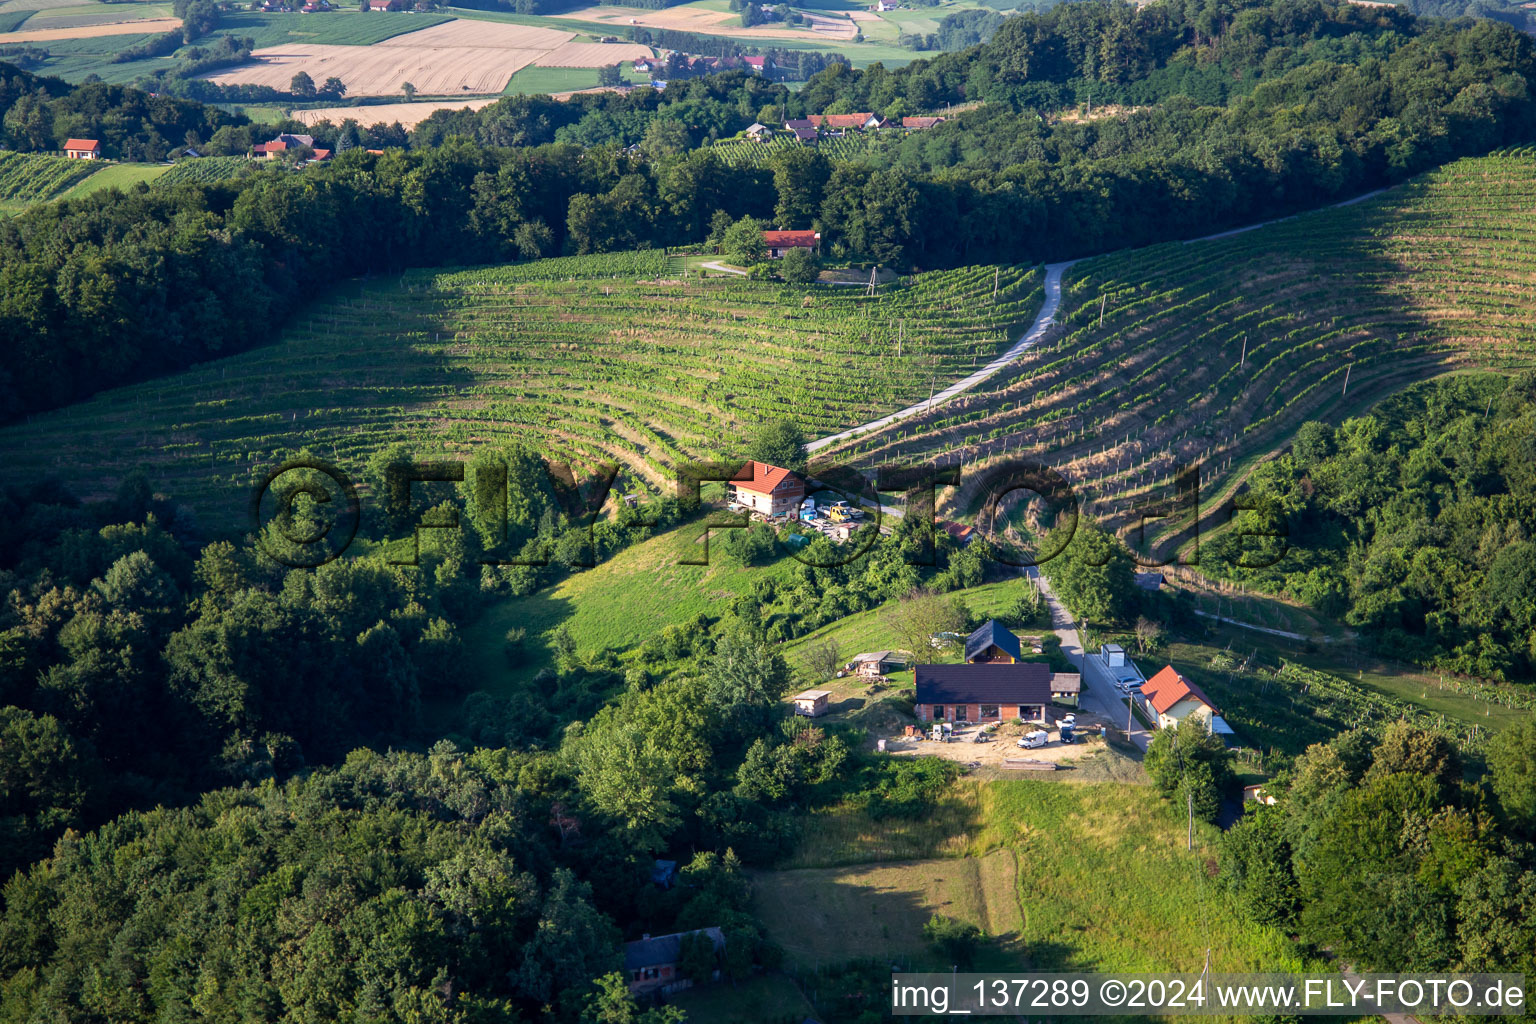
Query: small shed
811	703
82	149
877	663
1148	580
1066	685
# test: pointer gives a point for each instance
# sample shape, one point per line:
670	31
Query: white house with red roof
767	490
1177	700
82	149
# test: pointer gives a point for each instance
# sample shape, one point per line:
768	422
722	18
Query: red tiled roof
756	62
89	145
1167	688
322	154
791	239
920	122
842	120
764	479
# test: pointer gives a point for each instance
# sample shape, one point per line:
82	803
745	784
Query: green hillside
587	358
1216	351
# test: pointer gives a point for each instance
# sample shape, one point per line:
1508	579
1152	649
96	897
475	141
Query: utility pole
1190	797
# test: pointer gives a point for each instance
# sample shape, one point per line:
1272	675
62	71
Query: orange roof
1167	688
765	479
920	122
841	120
89	145
791	239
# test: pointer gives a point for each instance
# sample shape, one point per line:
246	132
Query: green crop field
1216	351
587	358
751	153
342	28
27	178
114	175
204	169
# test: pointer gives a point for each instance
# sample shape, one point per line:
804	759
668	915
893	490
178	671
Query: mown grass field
615	605
592	358
123	176
1100	879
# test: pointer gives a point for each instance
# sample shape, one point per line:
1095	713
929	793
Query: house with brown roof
286	142
82	149
983	693
1177	700
917	124
767	490
780	242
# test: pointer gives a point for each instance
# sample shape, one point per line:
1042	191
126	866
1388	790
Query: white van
1034	739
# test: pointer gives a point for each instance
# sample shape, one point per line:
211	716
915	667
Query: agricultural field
122	176
562	82
448	58
708	19
27	178
1063	876
1216	351
586	358
852	146
337	28
204	170
146	26
409	115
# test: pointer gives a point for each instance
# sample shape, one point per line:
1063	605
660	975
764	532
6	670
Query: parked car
1030	740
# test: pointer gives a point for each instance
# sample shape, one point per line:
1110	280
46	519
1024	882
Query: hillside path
1036	332
1031	338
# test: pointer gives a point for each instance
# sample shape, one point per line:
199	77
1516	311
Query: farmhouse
759	131
82	149
651	964
285	142
873	664
811	703
769	490
855	122
885	5
780	242
993	643
794	124
983	693
1177	700
759	65
917	124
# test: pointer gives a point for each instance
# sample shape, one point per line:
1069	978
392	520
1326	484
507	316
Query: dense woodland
1415	524
179	277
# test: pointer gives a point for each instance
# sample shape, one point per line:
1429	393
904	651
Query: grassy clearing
341	28
533	80
615	605
1101	881
768	997
826	916
121	176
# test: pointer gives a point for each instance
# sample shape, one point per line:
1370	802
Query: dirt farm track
455	57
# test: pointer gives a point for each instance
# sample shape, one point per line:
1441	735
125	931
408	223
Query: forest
180	275
1413	524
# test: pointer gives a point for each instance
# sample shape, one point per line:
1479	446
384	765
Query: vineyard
1216	351
203	170
38	177
751	153
586	358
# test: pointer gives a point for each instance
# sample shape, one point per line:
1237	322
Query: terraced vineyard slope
27	178
594	357
1216	351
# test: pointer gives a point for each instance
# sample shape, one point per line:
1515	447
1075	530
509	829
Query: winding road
1032	337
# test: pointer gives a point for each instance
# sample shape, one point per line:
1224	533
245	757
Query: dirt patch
144	26
1003	744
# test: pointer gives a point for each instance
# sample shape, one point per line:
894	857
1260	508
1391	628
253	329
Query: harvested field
592	55
125	28
714	23
409	115
492	35
454	57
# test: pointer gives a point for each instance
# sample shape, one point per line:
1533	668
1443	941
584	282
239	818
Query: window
960	710
938	712
650	973
988	711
